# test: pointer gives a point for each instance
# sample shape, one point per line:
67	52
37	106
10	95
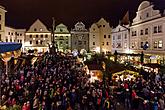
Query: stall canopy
9	46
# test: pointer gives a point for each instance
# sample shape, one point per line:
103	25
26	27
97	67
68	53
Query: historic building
2	23
100	36
37	37
62	38
120	39
14	35
148	32
79	37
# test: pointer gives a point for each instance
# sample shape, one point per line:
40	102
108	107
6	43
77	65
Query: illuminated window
155	44
41	29
160	44
125	44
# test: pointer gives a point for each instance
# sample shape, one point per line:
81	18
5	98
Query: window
146	31
60	42
66	36
93	29
35	29
41	29
20	41
133	33
20	34
141	45
0	17
75	43
107	43
0	37
30	42
155	29
66	42
30	36
46	36
103	25
147	15
113	37
104	36
109	36
160	44
102	43
8	33
155	44
159	28
118	45
6	40
125	37
10	40
12	33
93	43
41	36
36	36
17	40
37	42
0	27
125	45
61	37
41	42
141	32
84	42
119	37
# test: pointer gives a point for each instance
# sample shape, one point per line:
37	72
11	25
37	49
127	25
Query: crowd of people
58	82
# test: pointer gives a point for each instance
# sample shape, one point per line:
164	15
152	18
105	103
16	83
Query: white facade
2	23
37	37
100	36
62	37
148	32
120	39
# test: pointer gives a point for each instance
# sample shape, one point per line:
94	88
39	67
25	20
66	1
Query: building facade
62	38
37	37
100	36
148	33
79	37
120	39
2	23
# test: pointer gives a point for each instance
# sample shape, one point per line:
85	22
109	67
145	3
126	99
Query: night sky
22	13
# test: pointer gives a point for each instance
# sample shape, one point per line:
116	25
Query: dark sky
22	13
